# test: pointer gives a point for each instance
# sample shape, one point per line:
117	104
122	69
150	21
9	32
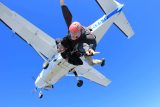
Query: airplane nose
36	82
39	83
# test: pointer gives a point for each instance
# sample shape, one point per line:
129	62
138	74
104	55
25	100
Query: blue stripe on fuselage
106	17
119	9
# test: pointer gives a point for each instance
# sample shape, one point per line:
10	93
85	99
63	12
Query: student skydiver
78	42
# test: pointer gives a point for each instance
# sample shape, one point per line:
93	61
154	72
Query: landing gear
45	65
49	87
79	83
40	95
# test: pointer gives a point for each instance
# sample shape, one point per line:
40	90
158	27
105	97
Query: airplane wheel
40	95
80	83
45	65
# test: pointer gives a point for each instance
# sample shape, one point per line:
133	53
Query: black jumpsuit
76	48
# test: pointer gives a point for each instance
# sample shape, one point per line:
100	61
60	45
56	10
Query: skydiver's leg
66	13
94	61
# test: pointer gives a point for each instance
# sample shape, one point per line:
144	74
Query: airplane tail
113	15
108	6
122	23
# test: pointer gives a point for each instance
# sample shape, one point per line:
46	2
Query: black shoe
103	62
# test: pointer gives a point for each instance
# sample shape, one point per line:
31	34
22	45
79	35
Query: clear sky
133	64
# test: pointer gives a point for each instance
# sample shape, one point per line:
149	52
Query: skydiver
78	42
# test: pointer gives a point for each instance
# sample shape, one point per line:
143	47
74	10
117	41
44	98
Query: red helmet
75	30
75	27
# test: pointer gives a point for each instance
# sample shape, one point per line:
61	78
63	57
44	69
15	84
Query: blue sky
133	65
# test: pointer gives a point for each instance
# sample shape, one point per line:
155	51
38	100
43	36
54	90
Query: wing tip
131	35
105	82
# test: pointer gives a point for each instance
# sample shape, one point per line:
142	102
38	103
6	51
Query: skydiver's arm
90	43
91	52
61	48
63	44
66	13
89	38
66	43
84	48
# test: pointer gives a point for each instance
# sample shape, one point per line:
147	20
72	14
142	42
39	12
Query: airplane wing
40	41
60	68
107	5
92	74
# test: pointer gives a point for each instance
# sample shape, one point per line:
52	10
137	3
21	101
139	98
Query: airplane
55	67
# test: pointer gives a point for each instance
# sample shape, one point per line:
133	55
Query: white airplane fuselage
43	78
50	75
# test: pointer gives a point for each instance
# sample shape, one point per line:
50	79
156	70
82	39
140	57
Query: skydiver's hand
91	52
61	48
62	2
